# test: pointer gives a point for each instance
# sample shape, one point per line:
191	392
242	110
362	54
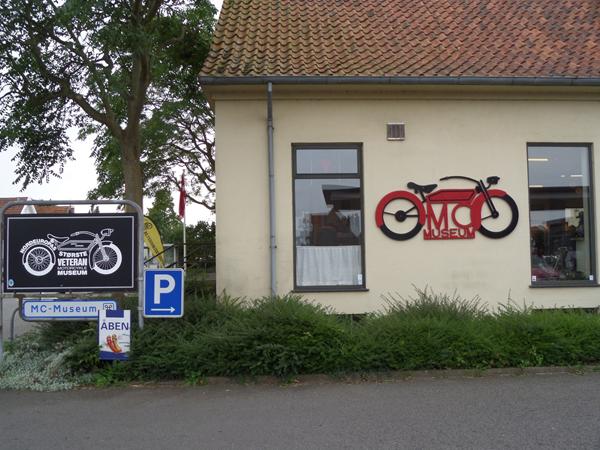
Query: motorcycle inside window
328	217
561	216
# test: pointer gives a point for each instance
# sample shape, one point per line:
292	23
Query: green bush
284	336
430	304
429	331
197	283
31	364
271	336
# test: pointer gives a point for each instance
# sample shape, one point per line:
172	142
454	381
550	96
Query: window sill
565	285
326	289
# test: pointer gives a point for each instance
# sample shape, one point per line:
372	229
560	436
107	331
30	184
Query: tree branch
77	48
210	207
65	87
152	10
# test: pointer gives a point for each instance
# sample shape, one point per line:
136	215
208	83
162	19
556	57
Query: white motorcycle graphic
103	256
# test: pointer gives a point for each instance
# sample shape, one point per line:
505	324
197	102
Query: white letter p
159	290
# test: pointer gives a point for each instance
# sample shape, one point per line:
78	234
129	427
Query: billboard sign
77	252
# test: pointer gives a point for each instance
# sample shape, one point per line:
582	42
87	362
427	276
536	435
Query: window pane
328	232
326	161
560	207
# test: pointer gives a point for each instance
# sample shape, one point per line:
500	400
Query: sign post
68	253
163	293
36	309
95	251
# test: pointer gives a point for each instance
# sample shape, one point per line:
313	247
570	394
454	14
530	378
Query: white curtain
354	218
328	265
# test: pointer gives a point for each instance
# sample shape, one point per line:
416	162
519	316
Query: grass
286	336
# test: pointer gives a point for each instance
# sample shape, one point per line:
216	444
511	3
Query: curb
375	377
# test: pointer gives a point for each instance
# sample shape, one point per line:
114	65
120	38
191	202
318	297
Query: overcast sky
78	178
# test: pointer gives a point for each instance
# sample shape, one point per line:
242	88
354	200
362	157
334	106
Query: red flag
182	195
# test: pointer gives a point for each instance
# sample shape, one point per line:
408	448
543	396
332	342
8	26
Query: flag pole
184	247
182	196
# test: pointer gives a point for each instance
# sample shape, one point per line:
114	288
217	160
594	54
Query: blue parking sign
163	293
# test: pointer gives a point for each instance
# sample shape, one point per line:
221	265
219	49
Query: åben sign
114	334
448	213
78	252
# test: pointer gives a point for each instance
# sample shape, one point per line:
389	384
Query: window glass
328	228
560	213
326	161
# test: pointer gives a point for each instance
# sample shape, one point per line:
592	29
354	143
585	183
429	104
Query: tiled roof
406	38
12	209
39	209
52	209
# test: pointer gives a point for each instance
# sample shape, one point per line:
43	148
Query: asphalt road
558	411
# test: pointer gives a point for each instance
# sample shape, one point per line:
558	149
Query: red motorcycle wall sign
400	215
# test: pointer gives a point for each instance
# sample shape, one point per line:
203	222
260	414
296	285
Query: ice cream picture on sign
114	334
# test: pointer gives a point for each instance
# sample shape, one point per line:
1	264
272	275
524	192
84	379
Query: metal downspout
273	244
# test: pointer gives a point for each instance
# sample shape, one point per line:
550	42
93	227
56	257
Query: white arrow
171	309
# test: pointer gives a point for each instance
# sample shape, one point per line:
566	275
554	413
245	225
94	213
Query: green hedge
287	335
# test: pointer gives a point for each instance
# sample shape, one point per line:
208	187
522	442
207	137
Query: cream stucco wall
475	132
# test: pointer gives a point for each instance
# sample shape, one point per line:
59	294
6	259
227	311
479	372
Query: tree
178	136
200	236
163	215
201	245
114	68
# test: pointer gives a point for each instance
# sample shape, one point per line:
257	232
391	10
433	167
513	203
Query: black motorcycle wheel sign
91	252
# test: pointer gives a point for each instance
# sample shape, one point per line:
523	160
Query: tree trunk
132	170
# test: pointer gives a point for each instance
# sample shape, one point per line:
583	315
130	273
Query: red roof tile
53	209
40	209
407	38
12	209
